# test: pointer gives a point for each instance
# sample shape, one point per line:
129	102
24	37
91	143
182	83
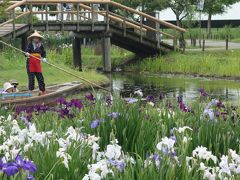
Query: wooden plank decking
8	29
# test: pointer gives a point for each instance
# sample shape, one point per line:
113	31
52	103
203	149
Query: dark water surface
173	85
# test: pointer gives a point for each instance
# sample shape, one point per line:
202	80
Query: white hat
36	34
7	86
13	81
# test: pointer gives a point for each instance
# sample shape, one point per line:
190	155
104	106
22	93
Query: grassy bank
214	63
12	66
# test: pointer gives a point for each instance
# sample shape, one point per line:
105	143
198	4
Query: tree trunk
209	25
178	21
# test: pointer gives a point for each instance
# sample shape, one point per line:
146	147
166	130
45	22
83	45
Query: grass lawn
210	63
12	66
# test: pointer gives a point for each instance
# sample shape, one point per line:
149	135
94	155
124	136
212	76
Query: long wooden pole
59	68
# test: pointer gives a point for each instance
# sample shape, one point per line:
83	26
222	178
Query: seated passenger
15	84
8	88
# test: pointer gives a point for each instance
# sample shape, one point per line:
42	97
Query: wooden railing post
124	27
42	8
141	29
62	19
30	17
174	43
107	16
78	17
158	35
92	14
46	17
203	45
13	23
227	42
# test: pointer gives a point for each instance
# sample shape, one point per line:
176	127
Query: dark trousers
31	79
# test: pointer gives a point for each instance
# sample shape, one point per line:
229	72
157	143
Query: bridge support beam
24	42
77	60
106	45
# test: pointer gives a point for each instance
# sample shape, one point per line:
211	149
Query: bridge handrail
144	26
13	6
88	5
147	16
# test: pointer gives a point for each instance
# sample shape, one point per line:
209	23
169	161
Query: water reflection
172	86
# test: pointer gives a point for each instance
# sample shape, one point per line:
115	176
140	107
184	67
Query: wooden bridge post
24	42
77	60
14	26
107	16
107	54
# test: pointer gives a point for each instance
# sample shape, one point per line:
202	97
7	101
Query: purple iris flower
173	138
150	98
114	115
180	99
220	104
65	112
203	93
10	169
131	100
161	96
155	157
30	177
61	101
147	154
40	108
109	100
30	166
76	103
120	165
218	114
172	132
173	154
95	124
26	165
183	107
90	97
165	150
1	163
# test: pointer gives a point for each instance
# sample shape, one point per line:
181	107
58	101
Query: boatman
36	54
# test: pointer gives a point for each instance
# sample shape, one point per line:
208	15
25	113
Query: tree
213	7
181	9
3	6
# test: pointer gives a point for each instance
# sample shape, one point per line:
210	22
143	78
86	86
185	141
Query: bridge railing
86	11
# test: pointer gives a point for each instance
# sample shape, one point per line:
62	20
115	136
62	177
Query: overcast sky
232	13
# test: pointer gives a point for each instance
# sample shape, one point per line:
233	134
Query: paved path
212	45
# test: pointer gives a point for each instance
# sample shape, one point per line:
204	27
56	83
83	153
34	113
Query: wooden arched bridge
108	21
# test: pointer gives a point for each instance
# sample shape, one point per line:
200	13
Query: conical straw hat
35	34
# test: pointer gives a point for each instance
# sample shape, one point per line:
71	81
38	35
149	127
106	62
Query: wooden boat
27	99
